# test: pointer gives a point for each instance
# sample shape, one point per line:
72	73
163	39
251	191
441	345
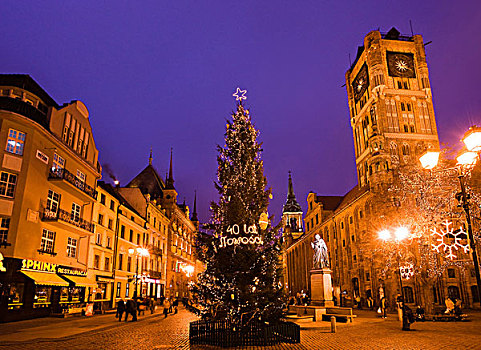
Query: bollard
333	324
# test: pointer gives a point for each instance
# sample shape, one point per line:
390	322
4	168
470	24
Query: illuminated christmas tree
241	249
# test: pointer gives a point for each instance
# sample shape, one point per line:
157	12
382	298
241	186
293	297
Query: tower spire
194	213
150	157
291	206
170	180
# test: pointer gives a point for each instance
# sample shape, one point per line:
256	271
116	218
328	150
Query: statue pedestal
321	288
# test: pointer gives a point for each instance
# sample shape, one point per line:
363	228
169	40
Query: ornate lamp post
397	237
429	160
139	253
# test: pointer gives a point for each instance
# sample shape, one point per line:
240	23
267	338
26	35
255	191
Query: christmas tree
241	249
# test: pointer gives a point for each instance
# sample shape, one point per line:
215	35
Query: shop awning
80	281
45	279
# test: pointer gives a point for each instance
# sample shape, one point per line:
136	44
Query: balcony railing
66	175
63	215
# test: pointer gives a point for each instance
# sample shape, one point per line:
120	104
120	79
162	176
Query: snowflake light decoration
448	240
407	271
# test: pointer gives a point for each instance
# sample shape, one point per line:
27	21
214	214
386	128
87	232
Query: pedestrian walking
166	306
131	308
120	309
383	305
175	304
152	305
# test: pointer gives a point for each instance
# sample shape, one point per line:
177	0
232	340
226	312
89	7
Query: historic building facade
67	240
393	123
48	176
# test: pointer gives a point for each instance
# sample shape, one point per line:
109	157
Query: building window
121	261
354	257
75	213
53	201
353	238
127	287
80	178
107	264
96	261
110	224
48	241
15	142
119	284
451	273
58	162
360	214
102	198
109	242
122	231
368	276
98	240
343	242
131	236
392	118
7	184
138	238
101	220
350	219
4	226
112	205
72	247
129	263
408	295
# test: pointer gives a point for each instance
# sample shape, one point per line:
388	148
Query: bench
448	317
340	313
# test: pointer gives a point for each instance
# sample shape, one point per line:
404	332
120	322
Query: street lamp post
429	160
398	236
139	253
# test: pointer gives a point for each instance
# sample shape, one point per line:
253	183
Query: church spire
170	180
194	213
150	158
291	205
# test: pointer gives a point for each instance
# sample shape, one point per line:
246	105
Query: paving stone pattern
155	332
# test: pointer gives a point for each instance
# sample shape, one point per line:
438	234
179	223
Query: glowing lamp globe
429	159
263	221
467	158
131	250
472	139
385	235
401	233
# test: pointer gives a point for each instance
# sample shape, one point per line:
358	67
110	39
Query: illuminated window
58	162
7	184
75	213
80	178
72	247
4	226
119	284
127	285
53	201
15	142
48	241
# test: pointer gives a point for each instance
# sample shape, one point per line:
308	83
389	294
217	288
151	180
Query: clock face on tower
360	83
400	64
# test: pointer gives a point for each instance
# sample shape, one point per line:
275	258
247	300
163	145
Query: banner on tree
235	230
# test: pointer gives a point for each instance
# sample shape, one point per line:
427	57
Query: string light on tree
449	240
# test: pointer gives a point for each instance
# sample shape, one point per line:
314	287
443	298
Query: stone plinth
321	288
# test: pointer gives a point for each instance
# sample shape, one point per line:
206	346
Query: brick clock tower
390	103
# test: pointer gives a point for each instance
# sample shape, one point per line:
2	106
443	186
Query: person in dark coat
175	305
131	309
120	309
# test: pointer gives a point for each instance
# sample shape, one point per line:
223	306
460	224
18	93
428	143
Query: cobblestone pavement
155	332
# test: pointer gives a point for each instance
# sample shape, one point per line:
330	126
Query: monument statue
321	258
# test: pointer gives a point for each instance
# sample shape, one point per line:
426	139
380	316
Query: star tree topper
240	95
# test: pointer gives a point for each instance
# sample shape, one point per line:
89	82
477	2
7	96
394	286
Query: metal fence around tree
226	334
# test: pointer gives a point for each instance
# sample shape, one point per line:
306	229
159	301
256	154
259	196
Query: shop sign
2	268
104	279
28	264
64	270
42	156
